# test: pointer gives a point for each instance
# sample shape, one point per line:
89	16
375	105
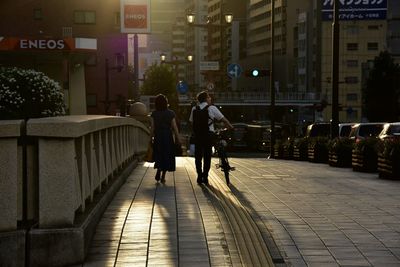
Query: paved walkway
317	216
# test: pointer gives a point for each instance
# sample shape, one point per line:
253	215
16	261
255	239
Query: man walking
202	117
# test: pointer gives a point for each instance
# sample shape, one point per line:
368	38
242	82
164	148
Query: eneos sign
45	44
18	43
135	16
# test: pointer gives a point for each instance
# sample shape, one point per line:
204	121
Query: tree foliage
160	79
26	93
382	91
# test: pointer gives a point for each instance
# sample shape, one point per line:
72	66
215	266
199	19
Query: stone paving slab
320	215
316	215
173	224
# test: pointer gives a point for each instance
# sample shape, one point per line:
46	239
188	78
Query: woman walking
163	126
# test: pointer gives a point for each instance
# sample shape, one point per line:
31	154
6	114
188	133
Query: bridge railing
64	162
260	96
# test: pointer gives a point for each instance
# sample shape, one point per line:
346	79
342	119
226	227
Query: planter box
300	154
340	160
318	154
278	152
366	161
388	168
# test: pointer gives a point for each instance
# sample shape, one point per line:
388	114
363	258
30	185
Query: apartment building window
84	17
352	46
117	18
37	14
91	100
373	27
351	79
352	63
352	97
372	46
352	114
352	29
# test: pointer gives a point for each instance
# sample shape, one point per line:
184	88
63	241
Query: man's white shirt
213	114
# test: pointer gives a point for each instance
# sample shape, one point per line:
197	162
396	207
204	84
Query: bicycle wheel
225	168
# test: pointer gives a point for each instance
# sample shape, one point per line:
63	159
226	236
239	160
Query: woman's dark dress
163	148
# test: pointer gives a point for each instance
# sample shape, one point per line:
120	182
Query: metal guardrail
259	97
265	97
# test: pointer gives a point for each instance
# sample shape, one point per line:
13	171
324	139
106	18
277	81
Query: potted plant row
340	150
389	159
365	155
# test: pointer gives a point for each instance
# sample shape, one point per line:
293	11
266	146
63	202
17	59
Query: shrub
26	93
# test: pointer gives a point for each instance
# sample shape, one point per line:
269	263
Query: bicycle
220	147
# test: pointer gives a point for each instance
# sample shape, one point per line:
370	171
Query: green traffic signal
257	73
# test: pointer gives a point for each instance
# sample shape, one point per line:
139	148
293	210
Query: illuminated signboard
355	9
135	16
67	44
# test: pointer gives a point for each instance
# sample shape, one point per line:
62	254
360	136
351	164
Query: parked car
361	131
345	129
238	136
390	131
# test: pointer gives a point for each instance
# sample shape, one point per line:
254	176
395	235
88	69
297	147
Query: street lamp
188	60
222	26
190	18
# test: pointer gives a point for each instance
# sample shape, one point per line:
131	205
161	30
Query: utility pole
272	82
335	71
136	68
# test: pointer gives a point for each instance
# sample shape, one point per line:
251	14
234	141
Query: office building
90	31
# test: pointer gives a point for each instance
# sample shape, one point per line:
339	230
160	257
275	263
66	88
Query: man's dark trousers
203	151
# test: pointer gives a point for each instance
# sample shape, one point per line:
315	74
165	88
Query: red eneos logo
135	16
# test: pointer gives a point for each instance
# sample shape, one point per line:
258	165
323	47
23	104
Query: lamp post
188	60
222	26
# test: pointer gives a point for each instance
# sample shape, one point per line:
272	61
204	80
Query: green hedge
26	93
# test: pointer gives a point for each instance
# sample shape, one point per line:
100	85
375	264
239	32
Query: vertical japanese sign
355	9
135	16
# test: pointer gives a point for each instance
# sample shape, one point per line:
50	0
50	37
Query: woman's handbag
149	154
178	149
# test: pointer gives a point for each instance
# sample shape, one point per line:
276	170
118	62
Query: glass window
37	14
351	79
352	46
352	97
352	63
84	17
373	46
91	100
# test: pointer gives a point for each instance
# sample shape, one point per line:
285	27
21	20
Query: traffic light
257	73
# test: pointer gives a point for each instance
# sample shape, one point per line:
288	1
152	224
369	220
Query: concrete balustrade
9	134
77	156
50	174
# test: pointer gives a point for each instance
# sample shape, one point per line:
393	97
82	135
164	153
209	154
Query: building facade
361	40
81	72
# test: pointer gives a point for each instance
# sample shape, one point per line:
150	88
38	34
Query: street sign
210	86
234	70
209	65
182	87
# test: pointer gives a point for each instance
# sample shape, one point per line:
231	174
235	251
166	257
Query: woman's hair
161	102
202	96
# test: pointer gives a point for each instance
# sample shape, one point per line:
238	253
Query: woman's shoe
163	177
157	176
